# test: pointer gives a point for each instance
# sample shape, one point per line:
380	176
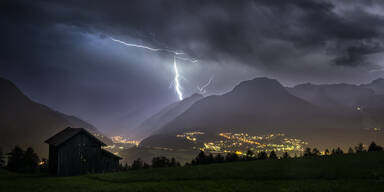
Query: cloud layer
61	54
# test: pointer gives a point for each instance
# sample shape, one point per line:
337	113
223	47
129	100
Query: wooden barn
75	151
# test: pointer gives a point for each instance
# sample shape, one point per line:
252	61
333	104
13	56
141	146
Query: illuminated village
240	143
121	143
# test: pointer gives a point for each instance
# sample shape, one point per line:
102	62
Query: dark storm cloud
236	28
50	46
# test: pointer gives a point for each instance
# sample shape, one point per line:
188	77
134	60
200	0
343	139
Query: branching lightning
176	56
202	89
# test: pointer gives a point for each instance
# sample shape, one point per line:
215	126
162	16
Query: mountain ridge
28	124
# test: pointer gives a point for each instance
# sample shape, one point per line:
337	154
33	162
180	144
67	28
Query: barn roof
107	153
68	133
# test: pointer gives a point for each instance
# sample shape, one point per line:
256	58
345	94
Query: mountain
334	96
346	98
26	123
262	106
252	103
158	120
376	85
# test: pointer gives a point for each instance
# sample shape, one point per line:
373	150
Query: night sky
60	53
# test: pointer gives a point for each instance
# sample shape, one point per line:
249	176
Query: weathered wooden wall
80	155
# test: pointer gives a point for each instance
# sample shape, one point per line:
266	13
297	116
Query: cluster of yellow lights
191	136
239	143
234	141
122	140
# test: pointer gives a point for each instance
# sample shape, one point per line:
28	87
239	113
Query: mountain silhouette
263	105
26	123
158	120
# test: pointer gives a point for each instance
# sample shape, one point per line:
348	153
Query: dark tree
286	155
137	164
231	157
31	161
249	155
374	147
15	159
359	148
210	158
173	162
350	150
158	162
326	152
2	157
146	166
272	155
262	155
315	152
219	158
201	158
337	151
307	152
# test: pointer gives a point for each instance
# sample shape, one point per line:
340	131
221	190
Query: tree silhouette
315	152
350	150
326	152
231	157
219	158
337	151
146	166
286	155
2	161
374	147
249	155
137	164
201	158
31	161
307	152
359	148
272	155
262	155
15	159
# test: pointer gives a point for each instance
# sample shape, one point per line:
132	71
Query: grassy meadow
350	172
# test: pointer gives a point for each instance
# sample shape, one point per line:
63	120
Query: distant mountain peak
260	85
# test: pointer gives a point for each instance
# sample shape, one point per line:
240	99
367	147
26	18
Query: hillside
155	122
353	172
27	123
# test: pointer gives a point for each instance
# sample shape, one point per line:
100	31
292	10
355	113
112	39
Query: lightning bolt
203	88
176	55
176	79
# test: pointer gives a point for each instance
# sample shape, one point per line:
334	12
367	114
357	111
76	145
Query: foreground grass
356	172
